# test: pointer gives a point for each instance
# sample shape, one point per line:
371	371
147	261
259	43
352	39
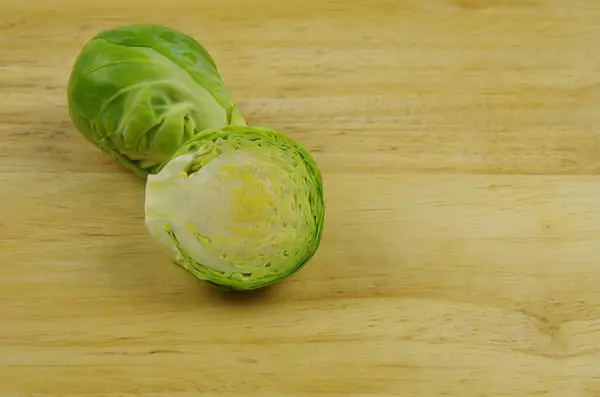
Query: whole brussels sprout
140	92
239	207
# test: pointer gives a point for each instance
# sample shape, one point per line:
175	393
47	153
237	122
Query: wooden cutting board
459	142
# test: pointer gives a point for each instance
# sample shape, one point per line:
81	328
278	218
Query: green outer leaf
179	48
137	83
234	280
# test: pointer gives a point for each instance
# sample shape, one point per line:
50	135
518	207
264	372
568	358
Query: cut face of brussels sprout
239	207
139	92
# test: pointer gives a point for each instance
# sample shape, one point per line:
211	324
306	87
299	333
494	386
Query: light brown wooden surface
460	147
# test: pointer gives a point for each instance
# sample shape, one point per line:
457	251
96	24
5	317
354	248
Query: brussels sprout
239	207
140	92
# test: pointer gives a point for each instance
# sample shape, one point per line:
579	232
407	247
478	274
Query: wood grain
460	150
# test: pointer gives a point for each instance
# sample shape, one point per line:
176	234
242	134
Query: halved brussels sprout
140	92
239	207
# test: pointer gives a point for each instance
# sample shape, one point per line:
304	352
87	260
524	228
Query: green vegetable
140	92
239	207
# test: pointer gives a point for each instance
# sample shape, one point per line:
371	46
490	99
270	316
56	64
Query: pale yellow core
251	201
